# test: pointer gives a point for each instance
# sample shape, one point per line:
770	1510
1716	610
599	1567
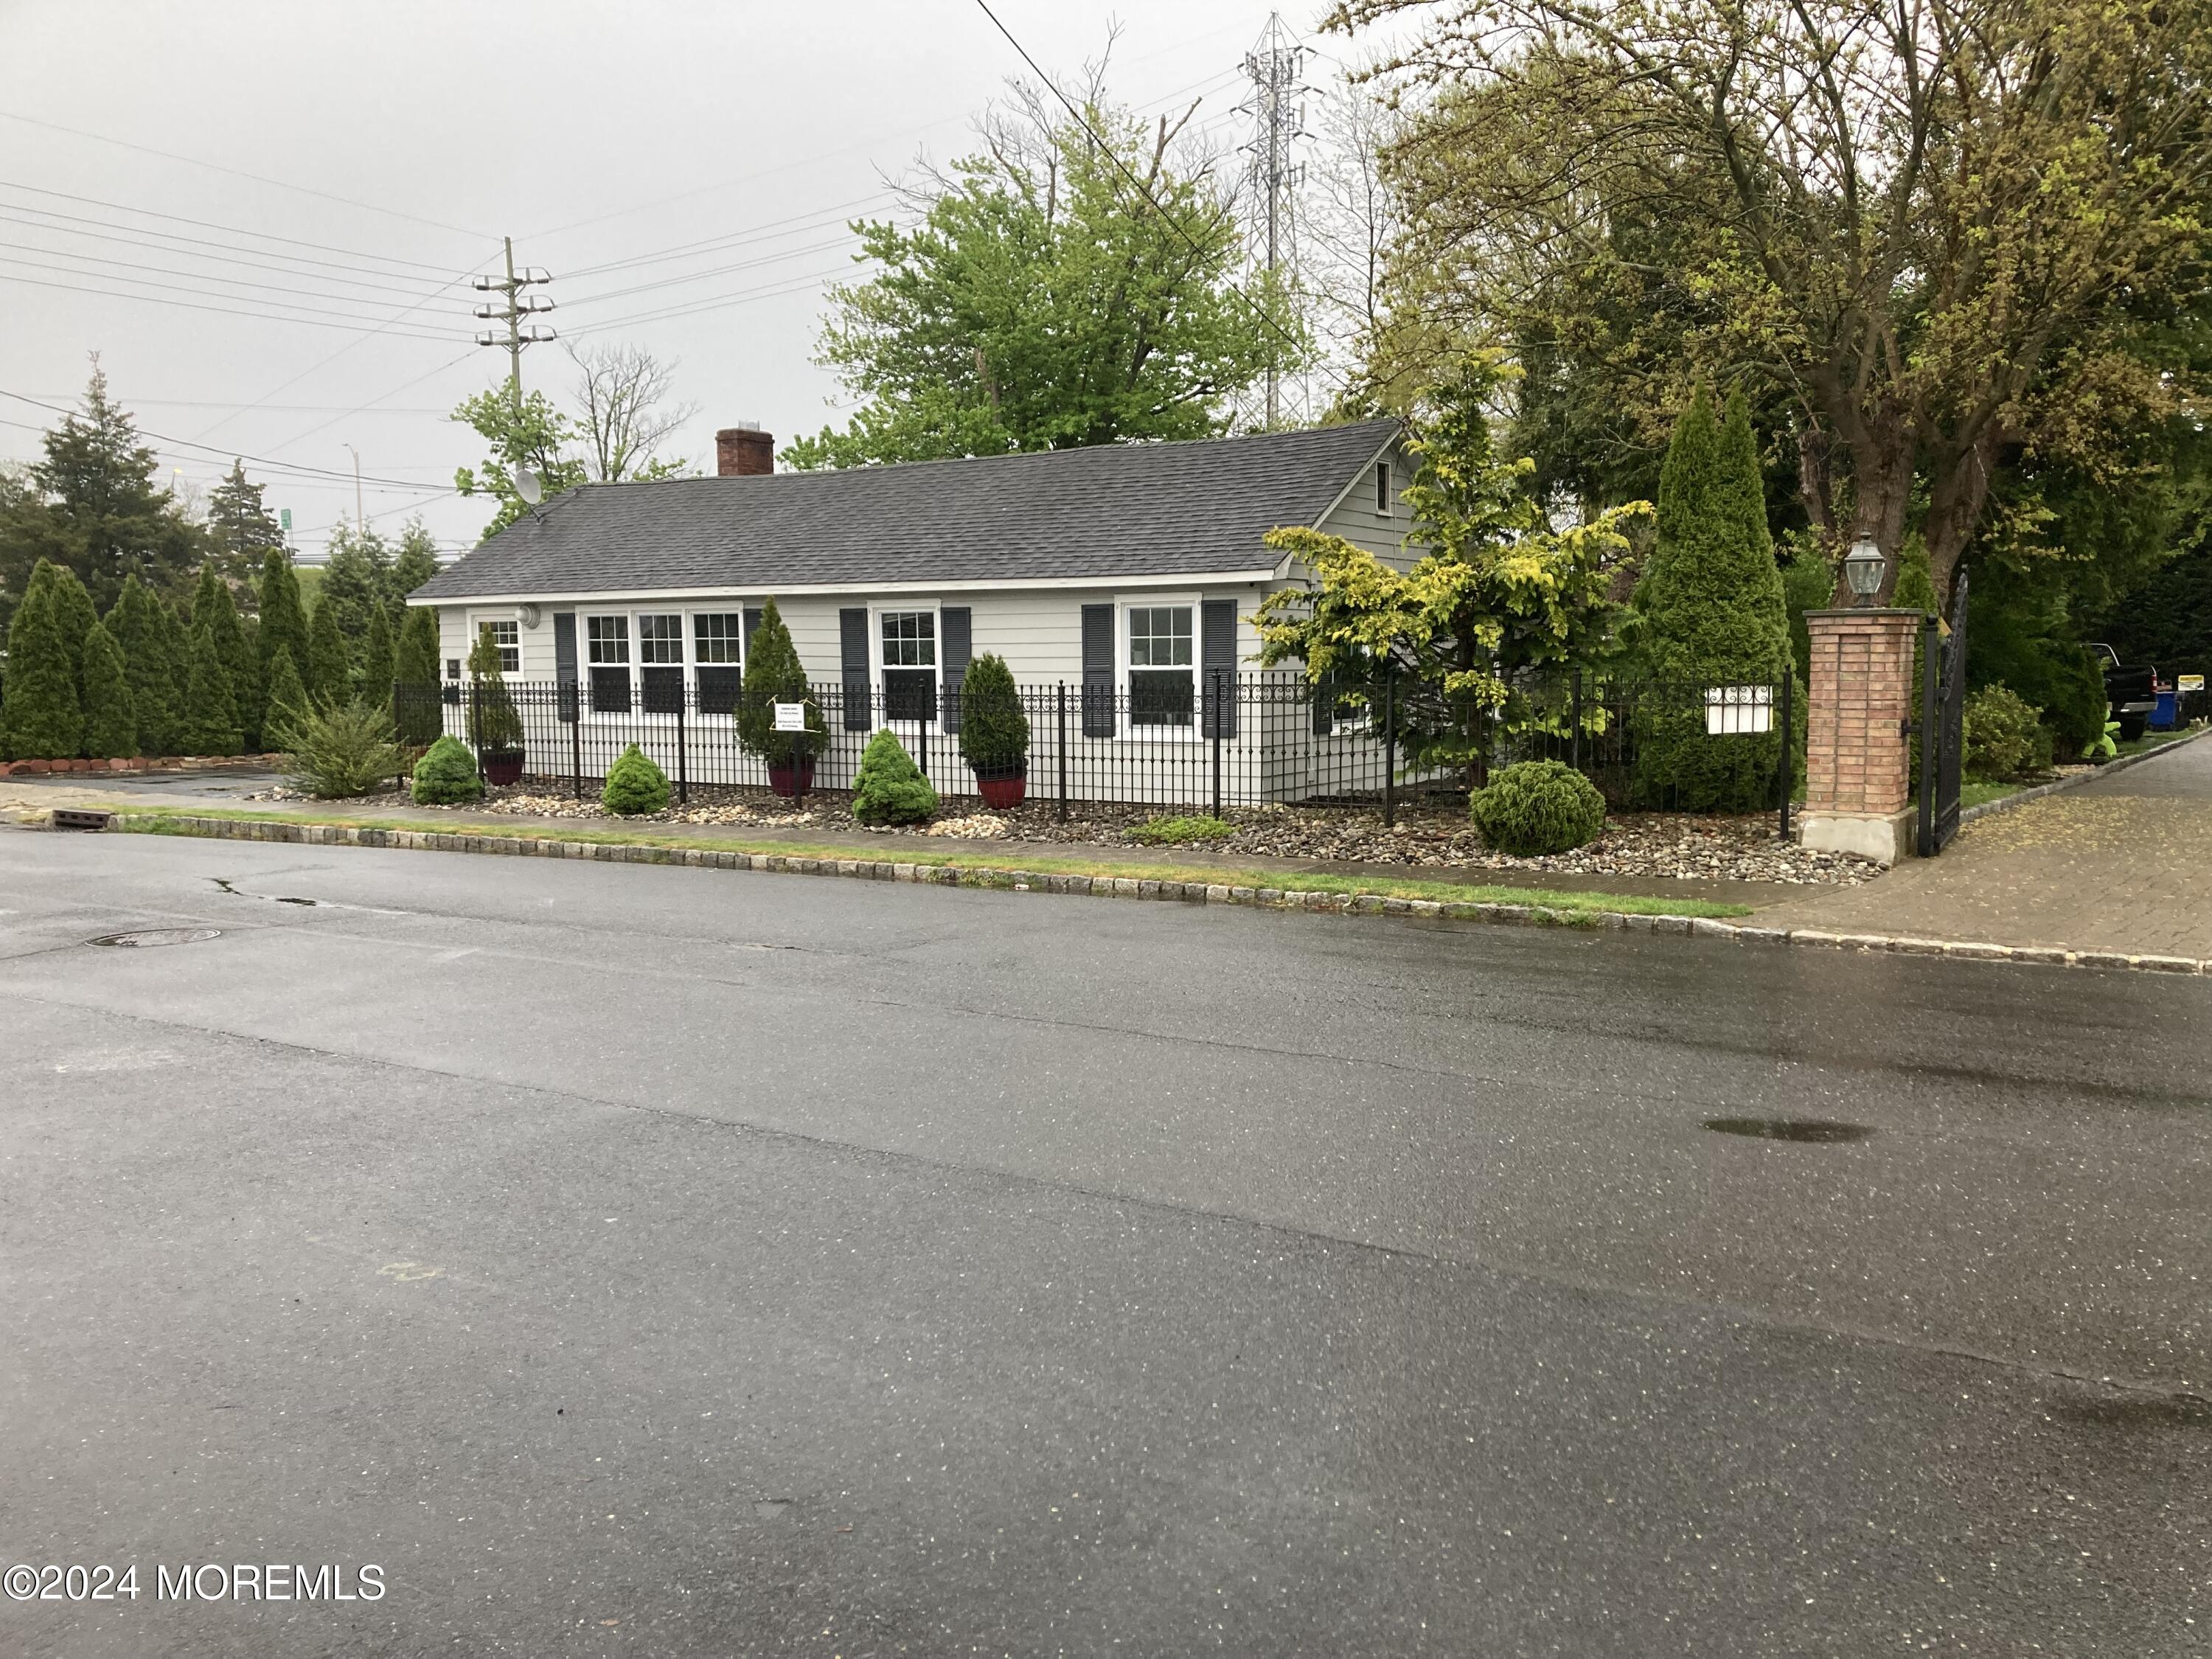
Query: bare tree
624	411
1351	223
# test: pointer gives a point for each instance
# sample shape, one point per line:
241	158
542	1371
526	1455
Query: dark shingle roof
1114	511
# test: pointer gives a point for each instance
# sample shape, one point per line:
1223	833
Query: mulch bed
1428	832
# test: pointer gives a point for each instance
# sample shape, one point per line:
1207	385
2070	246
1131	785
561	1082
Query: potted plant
494	726
994	732
773	674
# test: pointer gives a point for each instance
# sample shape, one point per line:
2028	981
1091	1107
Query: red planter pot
502	766
790	777
1002	790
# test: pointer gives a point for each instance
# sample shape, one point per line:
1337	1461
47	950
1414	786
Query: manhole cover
145	938
1817	1130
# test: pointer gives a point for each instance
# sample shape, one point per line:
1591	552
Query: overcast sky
391	145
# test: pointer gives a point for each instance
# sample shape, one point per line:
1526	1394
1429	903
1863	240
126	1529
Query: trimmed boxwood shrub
994	732
1538	807
635	785
890	788
447	774
2005	736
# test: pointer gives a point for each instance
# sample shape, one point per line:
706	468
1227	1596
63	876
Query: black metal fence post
1060	750
683	754
1389	748
1575	737
576	743
399	730
1220	718
476	725
1789	752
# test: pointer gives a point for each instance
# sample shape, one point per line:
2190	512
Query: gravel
1684	846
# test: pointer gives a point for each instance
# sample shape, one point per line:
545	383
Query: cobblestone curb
2006	802
1186	893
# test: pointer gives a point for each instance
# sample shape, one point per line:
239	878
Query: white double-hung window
1161	667
660	661
718	659
506	636
608	640
909	665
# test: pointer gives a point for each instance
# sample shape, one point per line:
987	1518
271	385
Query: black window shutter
1217	667
953	623
752	626
564	661
1097	671
852	640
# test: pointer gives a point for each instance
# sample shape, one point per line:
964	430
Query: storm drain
79	817
1818	1131
144	938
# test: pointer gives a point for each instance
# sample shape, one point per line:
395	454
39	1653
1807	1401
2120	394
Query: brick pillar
1856	747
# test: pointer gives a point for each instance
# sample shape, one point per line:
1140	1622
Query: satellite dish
529	486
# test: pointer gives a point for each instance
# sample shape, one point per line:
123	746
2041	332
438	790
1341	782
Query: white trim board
1208	579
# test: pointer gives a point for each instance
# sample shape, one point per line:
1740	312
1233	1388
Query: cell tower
1278	112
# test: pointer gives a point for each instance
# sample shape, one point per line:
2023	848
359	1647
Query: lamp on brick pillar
1856	715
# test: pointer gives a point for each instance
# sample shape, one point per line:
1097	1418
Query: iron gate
1942	724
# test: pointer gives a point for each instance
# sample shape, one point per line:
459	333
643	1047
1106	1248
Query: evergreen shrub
2005	736
136	623
447	774
210	723
994	730
110	731
336	752
1538	807
773	674
421	716
635	785
288	693
890	788
44	720
494	726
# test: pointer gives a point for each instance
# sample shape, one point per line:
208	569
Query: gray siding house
1127	574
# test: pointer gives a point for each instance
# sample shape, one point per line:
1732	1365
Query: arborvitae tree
283	618
44	720
136	624
494	726
773	674
211	725
215	611
74	615
1712	602
288	699
377	662
178	637
244	530
416	563
329	668
111	729
357	579
420	716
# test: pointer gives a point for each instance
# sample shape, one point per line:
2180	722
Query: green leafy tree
111	728
210	723
43	716
888	787
494	726
329	668
1046	301
1710	605
1499	595
149	666
1943	246
994	729
215	610
357	579
421	716
288	694
379	660
773	674
93	507
242	529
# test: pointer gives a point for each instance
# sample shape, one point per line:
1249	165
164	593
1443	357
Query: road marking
455	956
408	1272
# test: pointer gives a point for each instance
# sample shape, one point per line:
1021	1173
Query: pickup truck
2132	692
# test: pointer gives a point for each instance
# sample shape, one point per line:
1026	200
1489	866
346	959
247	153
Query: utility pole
514	306
1278	112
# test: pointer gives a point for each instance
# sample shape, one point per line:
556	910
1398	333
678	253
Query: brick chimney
744	451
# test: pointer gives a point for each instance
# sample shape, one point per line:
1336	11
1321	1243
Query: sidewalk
2121	864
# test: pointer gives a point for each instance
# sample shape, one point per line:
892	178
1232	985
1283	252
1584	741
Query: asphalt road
642	1261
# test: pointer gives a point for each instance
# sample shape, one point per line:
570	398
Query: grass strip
163	820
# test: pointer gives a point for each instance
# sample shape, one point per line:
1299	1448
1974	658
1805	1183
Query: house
1124	577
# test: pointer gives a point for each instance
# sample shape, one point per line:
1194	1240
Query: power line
209	224
227	311
126	265
743	296
188	247
718	271
798	221
214	166
365	408
186	443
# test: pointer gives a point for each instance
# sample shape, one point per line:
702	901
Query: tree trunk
1958	488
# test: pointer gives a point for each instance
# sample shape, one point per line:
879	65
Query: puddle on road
1818	1132
2136	1412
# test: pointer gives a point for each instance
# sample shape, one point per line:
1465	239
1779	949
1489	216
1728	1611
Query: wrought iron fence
1224	740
